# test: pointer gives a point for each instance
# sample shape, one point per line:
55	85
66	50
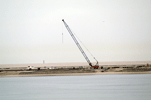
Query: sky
112	30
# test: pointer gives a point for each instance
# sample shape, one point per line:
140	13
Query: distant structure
43	61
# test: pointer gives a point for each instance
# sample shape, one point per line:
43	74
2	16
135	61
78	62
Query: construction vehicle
80	48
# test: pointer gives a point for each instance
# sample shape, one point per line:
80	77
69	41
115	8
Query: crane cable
84	46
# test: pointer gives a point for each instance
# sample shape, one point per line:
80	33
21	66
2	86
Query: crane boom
80	48
78	45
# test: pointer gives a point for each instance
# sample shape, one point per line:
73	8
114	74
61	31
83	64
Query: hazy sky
112	30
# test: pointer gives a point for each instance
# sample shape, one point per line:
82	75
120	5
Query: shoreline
77	74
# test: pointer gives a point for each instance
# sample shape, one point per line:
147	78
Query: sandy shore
76	74
71	69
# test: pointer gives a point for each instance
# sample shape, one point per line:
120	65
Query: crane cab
95	67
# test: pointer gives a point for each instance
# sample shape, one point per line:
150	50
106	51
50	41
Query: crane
80	48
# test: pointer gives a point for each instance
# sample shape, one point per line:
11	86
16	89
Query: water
89	87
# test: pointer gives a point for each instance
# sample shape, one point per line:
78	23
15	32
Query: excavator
80	48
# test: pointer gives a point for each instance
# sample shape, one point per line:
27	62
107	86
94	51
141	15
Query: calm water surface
89	87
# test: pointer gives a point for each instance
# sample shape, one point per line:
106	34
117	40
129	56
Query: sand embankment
72	72
76	74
